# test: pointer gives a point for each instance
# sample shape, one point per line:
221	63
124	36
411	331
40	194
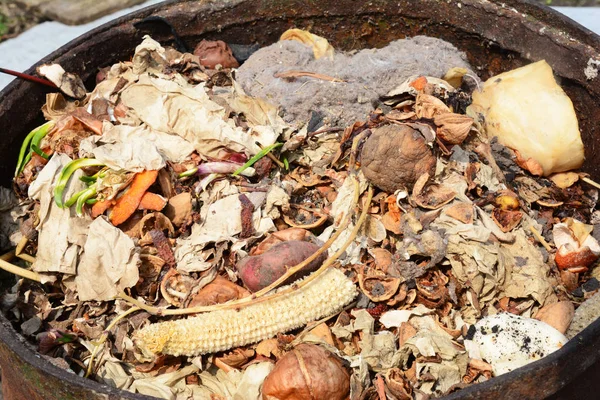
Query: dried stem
29	78
298	74
105	336
21	245
591	182
22	272
26	257
261	295
8	256
540	238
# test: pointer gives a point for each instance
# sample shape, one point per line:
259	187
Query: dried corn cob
225	329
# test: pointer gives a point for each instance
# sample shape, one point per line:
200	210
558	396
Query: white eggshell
507	341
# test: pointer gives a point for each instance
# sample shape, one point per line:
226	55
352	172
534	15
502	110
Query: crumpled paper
62	234
109	263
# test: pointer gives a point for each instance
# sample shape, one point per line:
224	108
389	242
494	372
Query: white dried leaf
62	233
109	263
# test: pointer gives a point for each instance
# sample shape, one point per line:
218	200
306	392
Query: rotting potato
260	271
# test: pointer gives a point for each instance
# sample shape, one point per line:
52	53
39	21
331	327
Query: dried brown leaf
453	128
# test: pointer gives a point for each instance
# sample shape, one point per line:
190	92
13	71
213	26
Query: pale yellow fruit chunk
529	112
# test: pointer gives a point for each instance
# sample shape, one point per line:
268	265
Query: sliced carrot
100	207
130	200
152	201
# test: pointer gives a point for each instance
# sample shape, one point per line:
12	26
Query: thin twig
298	74
29	78
540	238
591	182
105	336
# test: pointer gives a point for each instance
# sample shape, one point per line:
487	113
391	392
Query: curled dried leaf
377	286
175	287
236	358
427	106
220	290
462	212
507	220
453	128
398	384
432	197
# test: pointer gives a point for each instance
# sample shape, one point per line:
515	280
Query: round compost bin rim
570	361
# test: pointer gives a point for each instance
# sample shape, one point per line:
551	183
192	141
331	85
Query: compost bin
496	36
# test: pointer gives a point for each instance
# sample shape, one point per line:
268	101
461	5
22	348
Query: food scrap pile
179	236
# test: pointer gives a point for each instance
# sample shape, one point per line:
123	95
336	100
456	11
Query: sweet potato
152	202
130	200
260	271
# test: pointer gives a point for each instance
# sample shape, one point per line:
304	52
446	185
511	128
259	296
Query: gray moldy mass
367	75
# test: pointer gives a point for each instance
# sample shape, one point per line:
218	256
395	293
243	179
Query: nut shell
395	156
307	372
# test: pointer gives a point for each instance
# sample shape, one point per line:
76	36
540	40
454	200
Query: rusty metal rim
587	341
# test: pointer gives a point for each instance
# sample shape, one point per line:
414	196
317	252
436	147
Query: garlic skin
529	112
225	329
508	341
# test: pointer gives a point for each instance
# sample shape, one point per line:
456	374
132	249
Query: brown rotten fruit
309	372
395	156
215	52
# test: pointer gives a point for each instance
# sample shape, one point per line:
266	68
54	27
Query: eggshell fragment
508	341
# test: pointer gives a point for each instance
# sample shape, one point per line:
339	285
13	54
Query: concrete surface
22	52
78	12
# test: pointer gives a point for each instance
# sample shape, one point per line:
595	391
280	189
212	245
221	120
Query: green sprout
83	198
32	142
257	157
65	175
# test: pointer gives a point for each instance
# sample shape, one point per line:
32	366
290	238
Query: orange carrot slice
152	201
130	200
100	207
